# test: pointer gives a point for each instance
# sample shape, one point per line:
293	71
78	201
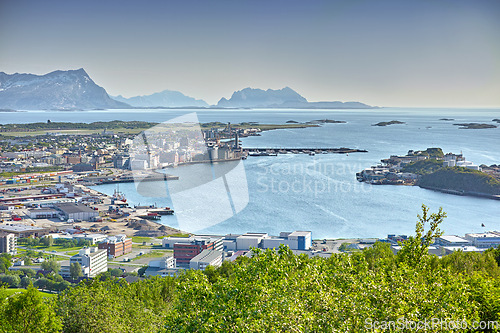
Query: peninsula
434	170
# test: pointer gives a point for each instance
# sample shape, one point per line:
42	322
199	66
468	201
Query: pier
311	151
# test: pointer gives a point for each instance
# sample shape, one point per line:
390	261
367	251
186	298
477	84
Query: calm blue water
320	193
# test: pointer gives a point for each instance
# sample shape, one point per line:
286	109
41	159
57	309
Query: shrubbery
280	291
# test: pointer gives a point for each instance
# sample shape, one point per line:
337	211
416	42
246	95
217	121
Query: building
8	243
451	249
451	241
187	248
206	258
43	213
297	240
22	231
92	260
116	245
485	239
73	211
166	266
243	242
92	238
439	251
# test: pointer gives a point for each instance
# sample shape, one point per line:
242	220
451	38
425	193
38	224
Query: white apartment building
92	260
8	243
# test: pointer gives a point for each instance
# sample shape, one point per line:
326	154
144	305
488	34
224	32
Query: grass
139	239
72	253
179	235
12	291
57	248
152	254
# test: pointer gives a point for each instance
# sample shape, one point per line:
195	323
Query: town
55	227
432	169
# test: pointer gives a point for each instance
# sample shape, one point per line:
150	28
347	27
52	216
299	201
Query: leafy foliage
28	312
423	167
279	291
115	306
51	265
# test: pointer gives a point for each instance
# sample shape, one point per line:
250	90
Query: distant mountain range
283	98
166	98
59	90
251	98
75	90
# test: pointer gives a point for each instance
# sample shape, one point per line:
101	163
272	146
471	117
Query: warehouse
43	213
77	212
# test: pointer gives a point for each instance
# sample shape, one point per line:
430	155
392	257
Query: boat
117	195
164	211
151	216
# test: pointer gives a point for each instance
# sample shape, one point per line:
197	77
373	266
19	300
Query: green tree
142	270
28	312
28	272
47	241
51	265
25	281
75	270
115	306
115	272
416	247
12	281
5	262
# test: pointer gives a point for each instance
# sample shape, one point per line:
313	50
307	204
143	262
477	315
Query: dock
300	150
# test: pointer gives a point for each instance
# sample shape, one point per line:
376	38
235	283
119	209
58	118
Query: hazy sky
387	53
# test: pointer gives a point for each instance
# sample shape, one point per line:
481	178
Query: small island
447	119
474	126
326	121
387	123
434	170
496	120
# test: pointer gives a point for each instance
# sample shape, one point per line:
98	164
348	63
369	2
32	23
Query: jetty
298	150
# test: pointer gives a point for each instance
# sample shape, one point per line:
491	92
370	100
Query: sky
441	53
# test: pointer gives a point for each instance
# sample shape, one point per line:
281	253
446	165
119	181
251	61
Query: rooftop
300	233
71	208
453	239
483	235
207	256
19	228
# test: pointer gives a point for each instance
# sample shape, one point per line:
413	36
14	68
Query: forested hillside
277	291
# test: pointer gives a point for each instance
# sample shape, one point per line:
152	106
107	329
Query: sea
319	193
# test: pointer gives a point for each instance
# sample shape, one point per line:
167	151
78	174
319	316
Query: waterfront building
485	239
76	211
451	240
297	240
43	213
244	242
